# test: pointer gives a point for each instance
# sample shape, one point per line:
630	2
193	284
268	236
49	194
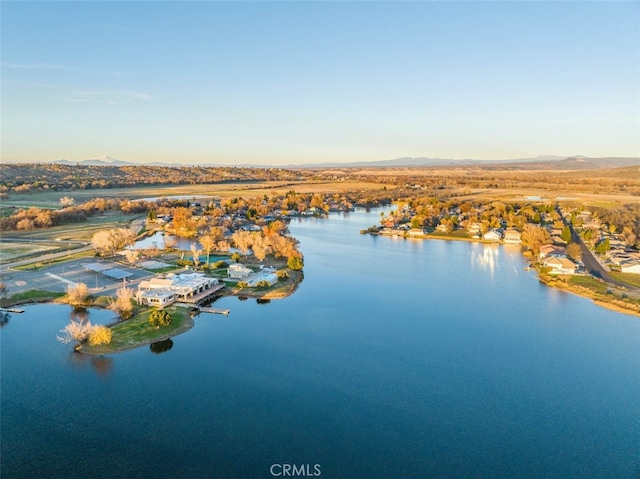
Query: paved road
591	264
136	225
45	258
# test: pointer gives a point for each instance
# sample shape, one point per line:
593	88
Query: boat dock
214	311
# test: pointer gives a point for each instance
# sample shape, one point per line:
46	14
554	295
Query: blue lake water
395	358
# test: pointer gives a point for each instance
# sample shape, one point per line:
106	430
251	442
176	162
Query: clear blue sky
295	82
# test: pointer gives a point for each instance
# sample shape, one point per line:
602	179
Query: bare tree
75	331
132	256
122	306
169	242
110	241
78	295
195	253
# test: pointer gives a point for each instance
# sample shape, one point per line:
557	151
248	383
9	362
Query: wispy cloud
108	96
67	68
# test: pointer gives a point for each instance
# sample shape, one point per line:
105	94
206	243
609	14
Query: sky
279	83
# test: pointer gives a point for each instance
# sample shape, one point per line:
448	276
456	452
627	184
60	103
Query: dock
203	296
12	310
214	311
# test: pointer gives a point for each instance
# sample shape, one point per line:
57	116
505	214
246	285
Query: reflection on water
161	346
4	318
101	365
79	315
487	258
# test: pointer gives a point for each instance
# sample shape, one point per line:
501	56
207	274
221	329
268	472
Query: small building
492	235
156	297
238	271
512	236
560	265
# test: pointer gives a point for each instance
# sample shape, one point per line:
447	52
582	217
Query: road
136	225
591	264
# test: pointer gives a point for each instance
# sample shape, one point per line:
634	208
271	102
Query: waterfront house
238	271
560	265
492	235
512	236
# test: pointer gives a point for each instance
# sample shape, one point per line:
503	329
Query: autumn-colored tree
208	243
99	335
110	241
574	251
183	225
242	240
295	263
132	256
534	236
160	317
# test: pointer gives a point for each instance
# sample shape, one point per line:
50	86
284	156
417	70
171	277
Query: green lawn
589	282
629	278
137	331
30	295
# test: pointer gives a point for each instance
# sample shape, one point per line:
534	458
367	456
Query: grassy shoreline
137	331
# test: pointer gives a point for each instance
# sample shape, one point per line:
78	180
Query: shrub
220	264
282	274
295	263
160	317
242	284
99	335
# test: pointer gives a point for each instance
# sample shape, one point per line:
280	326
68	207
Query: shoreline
614	304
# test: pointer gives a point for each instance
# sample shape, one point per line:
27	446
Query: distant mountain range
575	162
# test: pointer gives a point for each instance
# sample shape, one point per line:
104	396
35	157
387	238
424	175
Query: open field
75	231
51	199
